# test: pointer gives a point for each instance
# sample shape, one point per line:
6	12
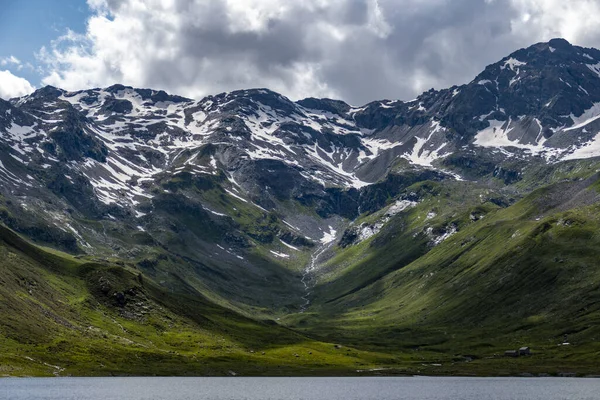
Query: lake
375	388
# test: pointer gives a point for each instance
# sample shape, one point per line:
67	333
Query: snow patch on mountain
329	237
422	153
366	230
496	136
279	255
590	115
594	68
512	63
588	150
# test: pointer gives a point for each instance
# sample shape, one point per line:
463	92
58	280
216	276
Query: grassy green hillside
60	316
523	275
449	283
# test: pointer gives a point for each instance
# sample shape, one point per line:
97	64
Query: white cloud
574	20
194	47
11	60
357	50
13	86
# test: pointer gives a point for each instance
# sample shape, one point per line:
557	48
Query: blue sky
27	25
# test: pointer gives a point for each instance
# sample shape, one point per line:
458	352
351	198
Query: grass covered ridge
516	271
60	316
524	275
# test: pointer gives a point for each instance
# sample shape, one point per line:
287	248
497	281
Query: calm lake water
379	388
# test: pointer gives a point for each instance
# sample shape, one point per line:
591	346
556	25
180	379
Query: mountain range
245	233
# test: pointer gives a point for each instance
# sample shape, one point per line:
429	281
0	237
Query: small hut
524	351
511	353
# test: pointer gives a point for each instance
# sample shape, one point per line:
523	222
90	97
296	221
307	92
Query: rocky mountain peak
537	101
329	105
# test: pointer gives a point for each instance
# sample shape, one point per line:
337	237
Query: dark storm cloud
357	50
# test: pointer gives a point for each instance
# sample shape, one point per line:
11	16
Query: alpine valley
144	233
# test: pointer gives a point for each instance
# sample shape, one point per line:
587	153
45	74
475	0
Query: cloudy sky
355	50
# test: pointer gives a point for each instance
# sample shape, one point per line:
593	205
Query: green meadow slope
64	316
506	277
445	287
